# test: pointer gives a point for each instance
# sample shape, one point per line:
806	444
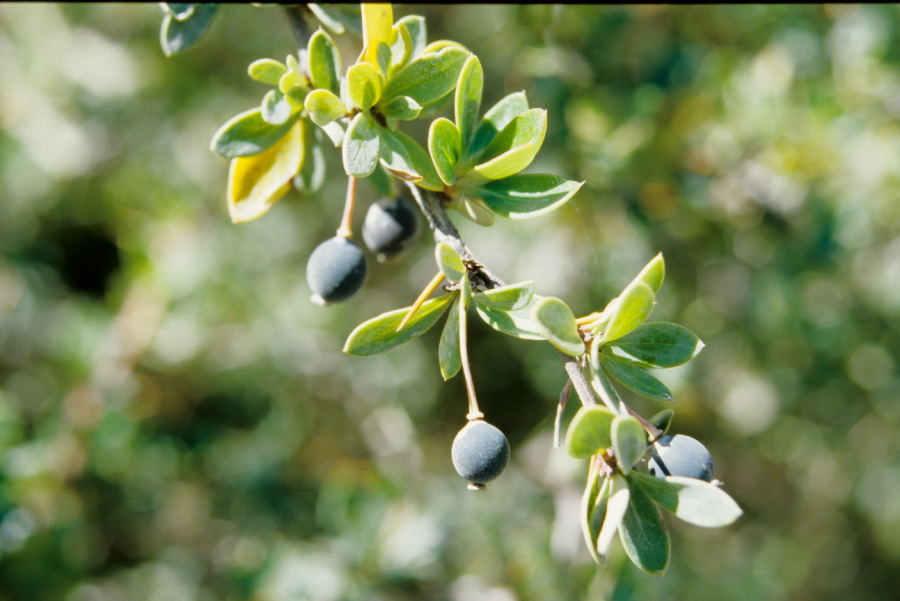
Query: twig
444	231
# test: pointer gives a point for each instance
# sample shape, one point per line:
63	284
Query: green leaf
291	79
379	334
448	349
557	324
695	501
247	134
415	25
474	209
429	77
324	107
275	108
589	431
653	273
266	70
401	48
619	497
635	378
403	157
515	147
362	146
377	20
445	145
338	18
176	36
663	419
518	324
312	175
403	108
643	533
506	298
661	344
449	262
468	98
593	508
493	122
629	310
629	440
179	10
365	84
527	195
324	62
256	182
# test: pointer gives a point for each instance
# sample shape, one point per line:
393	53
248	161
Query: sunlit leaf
365	84
629	310
468	98
266	70
448	349
696	501
493	122
405	158
324	62
256	182
177	35
527	195
427	78
629	440
518	324
377	21
506	298
449	262
324	107
275	108
616	507
362	146
444	145
247	134
661	344
380	333
589	432
557	324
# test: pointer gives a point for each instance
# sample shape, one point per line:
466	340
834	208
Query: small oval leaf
589	432
266	70
324	107
362	146
324	62
527	195
449	262
444	145
364	84
506	298
557	324
380	334
661	344
448	348
629	310
695	501
247	134
467	100
629	440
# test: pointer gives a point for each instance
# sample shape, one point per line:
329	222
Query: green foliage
380	334
557	324
183	25
589	432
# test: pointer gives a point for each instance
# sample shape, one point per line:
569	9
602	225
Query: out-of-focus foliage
178	421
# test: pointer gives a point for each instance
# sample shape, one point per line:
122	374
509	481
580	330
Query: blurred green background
177	420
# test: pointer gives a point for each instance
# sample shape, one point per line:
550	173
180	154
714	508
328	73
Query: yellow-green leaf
256	182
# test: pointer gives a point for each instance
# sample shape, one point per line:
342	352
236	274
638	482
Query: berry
335	270
681	455
390	226
480	453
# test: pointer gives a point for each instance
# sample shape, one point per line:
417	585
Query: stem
654	432
346	228
426	292
474	411
560	407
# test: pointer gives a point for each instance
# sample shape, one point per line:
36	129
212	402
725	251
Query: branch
444	231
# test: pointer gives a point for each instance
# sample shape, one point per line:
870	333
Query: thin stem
654	432
474	411
430	287
346	228
576	376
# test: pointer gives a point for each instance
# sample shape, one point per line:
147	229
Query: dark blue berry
681	455
391	225
480	452
335	270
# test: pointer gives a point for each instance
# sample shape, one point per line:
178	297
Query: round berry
335	270
480	452
681	455
391	225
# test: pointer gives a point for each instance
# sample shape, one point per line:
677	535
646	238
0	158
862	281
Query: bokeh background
177	420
